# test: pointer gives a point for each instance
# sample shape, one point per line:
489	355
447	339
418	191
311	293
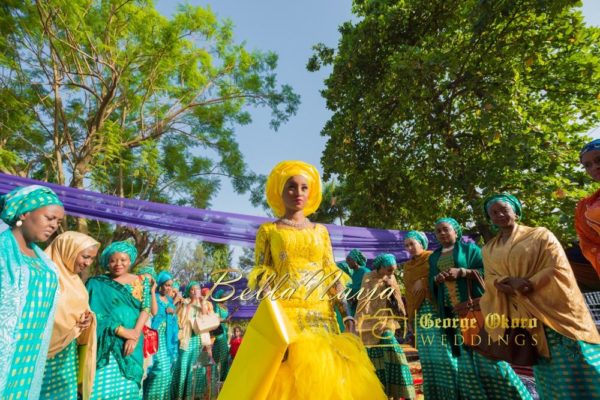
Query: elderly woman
450	266
587	214
358	268
195	347
378	334
527	275
438	365
74	331
121	302
158	383
319	361
28	287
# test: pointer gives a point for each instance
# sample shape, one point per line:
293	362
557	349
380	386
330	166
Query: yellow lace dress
298	265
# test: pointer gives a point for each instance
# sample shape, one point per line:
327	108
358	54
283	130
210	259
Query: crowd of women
130	336
119	336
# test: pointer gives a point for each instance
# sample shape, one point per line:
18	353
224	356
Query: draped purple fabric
207	225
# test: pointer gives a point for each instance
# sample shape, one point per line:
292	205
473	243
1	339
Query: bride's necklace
299	225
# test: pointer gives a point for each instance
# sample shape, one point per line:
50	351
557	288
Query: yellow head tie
280	175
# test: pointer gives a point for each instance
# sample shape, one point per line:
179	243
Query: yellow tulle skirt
328	367
281	360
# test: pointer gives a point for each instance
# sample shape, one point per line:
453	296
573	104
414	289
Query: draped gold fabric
72	303
556	301
374	300
416	269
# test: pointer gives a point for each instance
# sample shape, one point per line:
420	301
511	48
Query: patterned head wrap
593	145
204	291
164	277
453	223
384	260
25	199
147	270
176	285
357	257
189	287
118	247
509	199
419	237
280	175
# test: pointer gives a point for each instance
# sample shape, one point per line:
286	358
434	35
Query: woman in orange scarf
587	214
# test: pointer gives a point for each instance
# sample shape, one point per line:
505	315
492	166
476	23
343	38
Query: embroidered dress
43	283
320	359
115	304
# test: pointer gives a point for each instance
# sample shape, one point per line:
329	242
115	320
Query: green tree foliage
332	208
112	95
437	104
246	260
197	262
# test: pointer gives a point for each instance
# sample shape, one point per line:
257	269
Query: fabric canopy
207	225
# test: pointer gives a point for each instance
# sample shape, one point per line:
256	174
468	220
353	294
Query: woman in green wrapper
438	365
528	277
158	383
220	350
28	289
195	349
378	334
449	268
121	302
358	267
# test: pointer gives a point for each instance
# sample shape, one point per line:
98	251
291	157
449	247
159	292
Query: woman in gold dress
294	259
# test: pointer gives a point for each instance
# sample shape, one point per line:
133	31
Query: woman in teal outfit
449	268
437	363
28	289
158	383
358	265
220	349
378	333
195	349
121	302
72	352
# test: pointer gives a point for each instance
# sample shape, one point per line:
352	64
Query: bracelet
118	330
463	272
348	318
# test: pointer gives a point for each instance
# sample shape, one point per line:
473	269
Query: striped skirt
572	372
60	375
392	368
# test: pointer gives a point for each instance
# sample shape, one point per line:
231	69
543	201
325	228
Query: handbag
150	341
516	346
206	323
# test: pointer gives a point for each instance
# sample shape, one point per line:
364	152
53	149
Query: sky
290	29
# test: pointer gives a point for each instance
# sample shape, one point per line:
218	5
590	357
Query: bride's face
295	193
